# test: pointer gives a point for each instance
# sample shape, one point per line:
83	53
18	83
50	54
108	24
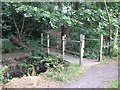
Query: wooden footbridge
60	47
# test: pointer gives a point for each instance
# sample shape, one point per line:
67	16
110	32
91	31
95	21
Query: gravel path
96	77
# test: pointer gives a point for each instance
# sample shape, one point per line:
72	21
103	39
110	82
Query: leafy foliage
89	19
8	47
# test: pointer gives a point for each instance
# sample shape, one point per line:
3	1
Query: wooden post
63	47
41	41
48	44
57	41
82	41
101	45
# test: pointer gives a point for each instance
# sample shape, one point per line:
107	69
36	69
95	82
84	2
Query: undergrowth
39	63
8	47
63	75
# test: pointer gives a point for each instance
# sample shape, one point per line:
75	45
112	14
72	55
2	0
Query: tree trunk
115	44
110	31
76	5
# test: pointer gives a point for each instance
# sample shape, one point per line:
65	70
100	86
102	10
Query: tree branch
23	24
18	31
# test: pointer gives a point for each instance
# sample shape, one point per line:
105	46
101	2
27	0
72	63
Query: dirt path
32	82
96	77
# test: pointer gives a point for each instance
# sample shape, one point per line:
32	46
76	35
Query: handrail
92	50
92	39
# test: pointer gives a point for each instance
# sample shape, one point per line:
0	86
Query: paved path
95	77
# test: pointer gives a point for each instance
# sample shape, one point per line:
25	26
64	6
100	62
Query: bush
58	69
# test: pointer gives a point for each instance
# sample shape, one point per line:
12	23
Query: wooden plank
41	41
101	45
91	50
48	44
91	39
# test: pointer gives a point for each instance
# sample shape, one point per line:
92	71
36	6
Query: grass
114	84
72	71
108	59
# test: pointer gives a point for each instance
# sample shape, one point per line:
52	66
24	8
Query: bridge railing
81	46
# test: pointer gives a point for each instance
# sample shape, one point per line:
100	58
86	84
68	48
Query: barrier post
82	41
48	43
101	45
63	47
41	41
